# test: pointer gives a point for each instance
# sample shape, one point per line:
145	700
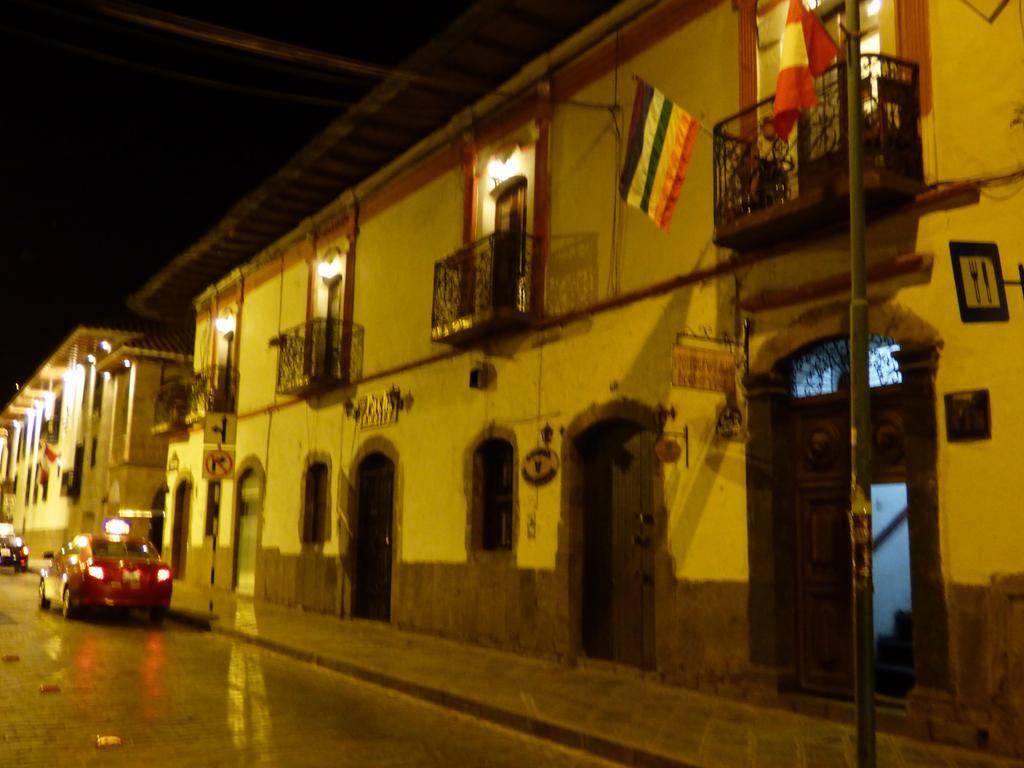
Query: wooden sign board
699	368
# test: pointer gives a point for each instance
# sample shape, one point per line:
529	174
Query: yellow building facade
481	396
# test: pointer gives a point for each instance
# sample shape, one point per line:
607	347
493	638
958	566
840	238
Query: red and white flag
807	51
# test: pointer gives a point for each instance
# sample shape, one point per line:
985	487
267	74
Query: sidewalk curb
564	735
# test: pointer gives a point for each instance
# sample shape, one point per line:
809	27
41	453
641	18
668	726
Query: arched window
493	479
825	367
314	519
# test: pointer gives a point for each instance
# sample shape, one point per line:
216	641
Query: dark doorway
179	535
509	243
618	543
156	526
373	547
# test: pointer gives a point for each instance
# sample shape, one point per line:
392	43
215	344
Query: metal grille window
494	473
314	519
825	368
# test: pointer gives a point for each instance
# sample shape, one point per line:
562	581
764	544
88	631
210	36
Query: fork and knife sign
972	266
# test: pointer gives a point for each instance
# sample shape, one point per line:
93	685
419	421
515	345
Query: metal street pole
860	408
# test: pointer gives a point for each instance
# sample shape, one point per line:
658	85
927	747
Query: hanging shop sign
698	368
539	466
667	450
978	276
378	408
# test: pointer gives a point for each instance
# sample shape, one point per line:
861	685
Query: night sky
110	166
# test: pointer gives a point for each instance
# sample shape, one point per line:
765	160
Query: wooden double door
820	444
618	543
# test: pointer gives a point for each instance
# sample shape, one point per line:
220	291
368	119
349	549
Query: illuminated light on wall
225	324
127	363
106	375
329	270
90	359
504	165
105	345
874	7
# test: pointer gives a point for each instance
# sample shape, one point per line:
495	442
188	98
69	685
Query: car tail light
163	574
96	571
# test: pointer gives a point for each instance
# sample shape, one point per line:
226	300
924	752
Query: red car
106	571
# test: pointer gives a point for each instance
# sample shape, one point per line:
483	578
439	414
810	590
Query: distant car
106	571
12	549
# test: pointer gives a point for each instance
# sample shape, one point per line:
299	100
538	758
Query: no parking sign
218	464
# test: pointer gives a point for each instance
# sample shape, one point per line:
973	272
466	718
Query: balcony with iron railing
170	411
483	288
212	390
319	353
768	190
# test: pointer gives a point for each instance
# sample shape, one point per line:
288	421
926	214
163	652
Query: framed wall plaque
968	416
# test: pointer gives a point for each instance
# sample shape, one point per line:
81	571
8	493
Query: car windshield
107	548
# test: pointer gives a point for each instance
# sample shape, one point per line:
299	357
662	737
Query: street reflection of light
54	648
85	654
153	671
248	716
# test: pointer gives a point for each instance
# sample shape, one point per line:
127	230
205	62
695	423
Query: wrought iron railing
484	281
756	170
319	352
170	411
212	390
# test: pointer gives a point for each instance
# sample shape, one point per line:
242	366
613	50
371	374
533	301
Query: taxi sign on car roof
115	526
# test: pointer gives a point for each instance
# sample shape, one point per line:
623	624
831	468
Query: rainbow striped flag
661	137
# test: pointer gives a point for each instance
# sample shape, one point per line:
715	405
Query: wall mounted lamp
225	324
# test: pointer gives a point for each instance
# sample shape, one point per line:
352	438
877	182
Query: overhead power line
255	44
175	75
178	43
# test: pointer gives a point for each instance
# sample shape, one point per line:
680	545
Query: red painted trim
832	285
748	11
441	162
541	213
469	190
913	43
633	40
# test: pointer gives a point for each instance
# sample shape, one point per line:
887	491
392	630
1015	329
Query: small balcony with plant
768	190
483	288
212	390
171	409
318	354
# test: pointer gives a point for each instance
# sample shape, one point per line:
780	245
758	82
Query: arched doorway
246	530
374	538
811	531
618	542
180	529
